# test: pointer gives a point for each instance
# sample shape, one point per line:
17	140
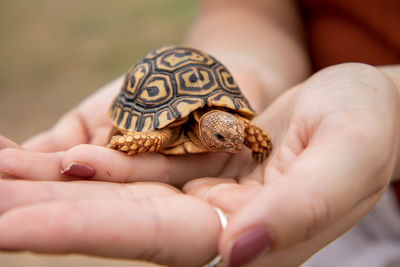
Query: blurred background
55	53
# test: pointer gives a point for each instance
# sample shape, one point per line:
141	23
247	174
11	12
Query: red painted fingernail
4	175
9	250
249	246
79	170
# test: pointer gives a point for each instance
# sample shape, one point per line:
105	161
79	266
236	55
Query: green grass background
55	53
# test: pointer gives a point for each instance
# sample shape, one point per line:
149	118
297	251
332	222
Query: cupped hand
87	123
75	146
335	149
145	221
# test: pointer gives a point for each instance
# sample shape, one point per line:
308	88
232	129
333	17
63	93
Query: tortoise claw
134	144
258	141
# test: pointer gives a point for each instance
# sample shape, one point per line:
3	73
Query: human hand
87	123
146	221
333	158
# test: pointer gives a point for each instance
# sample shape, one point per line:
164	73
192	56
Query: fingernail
9	250
4	175
249	246
79	170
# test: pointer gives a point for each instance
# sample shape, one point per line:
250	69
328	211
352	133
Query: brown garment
396	188
340	31
366	31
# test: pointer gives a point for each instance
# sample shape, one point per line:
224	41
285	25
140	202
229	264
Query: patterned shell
171	82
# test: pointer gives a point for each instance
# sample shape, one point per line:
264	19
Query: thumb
340	167
291	218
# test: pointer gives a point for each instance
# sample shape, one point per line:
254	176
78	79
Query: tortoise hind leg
257	140
134	143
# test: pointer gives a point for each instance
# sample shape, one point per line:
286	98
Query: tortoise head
221	131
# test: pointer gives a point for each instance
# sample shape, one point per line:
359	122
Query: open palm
333	158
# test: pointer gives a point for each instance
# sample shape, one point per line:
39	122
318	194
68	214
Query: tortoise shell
171	82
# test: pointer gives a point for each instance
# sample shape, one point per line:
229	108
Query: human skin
333	159
335	150
249	37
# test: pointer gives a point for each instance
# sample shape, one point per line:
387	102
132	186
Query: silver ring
224	221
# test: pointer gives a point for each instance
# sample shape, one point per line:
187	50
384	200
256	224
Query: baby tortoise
179	100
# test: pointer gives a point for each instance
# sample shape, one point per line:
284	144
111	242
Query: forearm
260	41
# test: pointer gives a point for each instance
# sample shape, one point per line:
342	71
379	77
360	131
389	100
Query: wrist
260	52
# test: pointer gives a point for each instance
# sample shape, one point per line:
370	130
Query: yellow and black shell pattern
171	82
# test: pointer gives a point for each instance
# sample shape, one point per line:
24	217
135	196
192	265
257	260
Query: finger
299	207
325	176
223	193
111	165
68	132
176	231
7	143
104	164
17	193
87	123
18	163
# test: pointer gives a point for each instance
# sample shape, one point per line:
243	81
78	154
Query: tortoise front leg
134	143
257	140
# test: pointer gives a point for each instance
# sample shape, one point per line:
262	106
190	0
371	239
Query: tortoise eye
220	137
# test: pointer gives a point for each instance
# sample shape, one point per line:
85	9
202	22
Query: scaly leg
134	143
257	140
